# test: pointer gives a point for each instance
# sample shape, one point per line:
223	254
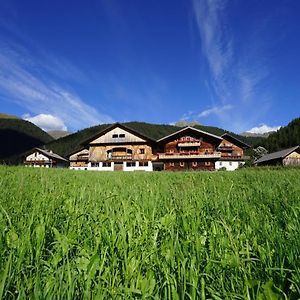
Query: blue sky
232	64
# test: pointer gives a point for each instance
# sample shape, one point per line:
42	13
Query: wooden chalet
189	149
44	158
286	157
116	148
232	153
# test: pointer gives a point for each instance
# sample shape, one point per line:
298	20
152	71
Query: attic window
122	135
115	136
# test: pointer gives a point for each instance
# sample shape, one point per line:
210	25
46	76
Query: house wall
204	146
292	159
234	150
230	165
36	156
99	153
99	167
108	137
185	165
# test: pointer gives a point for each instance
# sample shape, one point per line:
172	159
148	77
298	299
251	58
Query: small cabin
286	157
40	158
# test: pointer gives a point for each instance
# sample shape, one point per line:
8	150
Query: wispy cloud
33	84
235	68
216	110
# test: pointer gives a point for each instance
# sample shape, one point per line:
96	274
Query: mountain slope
18	136
64	146
286	137
57	134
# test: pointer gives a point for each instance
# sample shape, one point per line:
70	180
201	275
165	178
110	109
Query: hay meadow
199	235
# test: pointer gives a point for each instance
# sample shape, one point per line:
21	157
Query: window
121	136
130	164
181	164
142	151
106	164
143	164
94	164
194	164
230	163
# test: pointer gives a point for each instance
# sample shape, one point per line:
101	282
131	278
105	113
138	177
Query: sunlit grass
91	235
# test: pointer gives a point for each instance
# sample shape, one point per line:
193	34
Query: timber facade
119	148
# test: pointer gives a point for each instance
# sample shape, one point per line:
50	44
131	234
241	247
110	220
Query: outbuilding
286	157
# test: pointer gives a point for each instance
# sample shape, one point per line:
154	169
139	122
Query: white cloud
263	128
46	122
21	83
216	110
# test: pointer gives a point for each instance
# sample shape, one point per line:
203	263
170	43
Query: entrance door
118	166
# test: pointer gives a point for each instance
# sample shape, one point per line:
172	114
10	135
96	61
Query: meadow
90	235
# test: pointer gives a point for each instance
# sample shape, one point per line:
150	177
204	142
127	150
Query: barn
286	157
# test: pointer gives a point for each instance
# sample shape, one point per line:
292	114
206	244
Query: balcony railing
189	144
225	148
187	155
120	157
235	157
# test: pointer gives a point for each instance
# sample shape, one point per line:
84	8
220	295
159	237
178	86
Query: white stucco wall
136	167
229	165
36	156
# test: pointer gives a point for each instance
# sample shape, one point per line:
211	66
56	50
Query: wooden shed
286	157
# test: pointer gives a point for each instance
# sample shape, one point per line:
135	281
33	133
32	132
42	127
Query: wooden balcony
235	157
225	148
189	155
189	144
120	157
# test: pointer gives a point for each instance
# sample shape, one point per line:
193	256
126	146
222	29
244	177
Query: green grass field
91	235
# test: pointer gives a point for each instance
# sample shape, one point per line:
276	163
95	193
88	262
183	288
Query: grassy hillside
18	136
88	235
71	143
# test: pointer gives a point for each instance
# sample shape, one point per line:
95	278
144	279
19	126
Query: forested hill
285	137
66	145
18	136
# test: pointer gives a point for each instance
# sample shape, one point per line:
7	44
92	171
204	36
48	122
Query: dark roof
190	128
276	155
237	141
102	132
50	154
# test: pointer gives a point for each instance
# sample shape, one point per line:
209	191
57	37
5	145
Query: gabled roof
109	128
75	151
219	139
237	141
50	154
277	155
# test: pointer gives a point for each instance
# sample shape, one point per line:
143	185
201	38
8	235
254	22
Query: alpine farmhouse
43	158
120	148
